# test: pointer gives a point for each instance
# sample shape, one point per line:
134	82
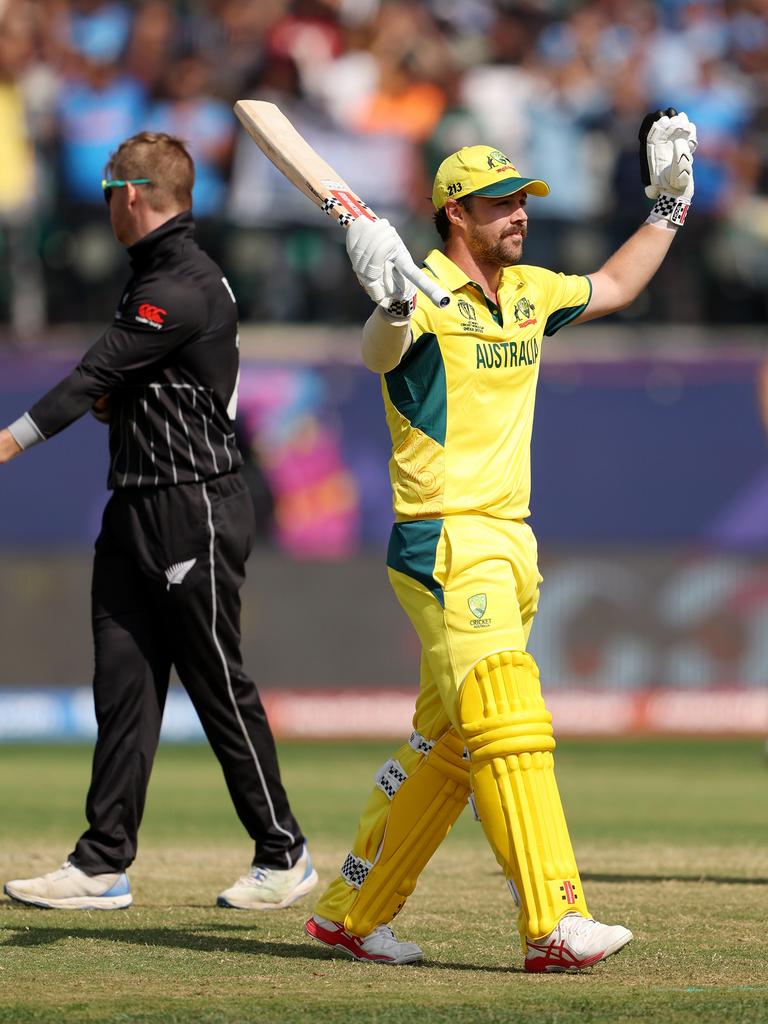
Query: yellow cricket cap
480	171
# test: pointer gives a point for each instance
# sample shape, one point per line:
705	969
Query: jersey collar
453	277
447	273
163	241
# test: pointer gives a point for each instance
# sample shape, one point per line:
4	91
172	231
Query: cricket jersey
460	403
170	363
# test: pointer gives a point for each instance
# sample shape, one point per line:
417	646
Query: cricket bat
292	155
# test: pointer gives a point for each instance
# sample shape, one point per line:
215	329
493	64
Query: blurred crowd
383	89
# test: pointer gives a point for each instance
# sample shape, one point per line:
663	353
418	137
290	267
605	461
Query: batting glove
667	144
375	249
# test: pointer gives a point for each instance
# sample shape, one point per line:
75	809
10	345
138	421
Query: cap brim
508	186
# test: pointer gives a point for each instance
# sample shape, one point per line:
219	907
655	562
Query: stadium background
650	494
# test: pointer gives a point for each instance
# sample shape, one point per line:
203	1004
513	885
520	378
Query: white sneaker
575	943
380	946
271	888
69	888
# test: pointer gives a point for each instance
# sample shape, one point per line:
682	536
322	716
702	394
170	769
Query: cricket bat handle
425	284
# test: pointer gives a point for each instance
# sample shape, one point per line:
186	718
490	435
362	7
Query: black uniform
170	557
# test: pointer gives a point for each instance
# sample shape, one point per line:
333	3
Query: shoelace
255	877
384	931
579	928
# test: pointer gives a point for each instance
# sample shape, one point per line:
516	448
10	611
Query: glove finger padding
681	168
377	255
368	245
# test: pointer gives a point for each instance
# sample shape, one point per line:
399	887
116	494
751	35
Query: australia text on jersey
494	355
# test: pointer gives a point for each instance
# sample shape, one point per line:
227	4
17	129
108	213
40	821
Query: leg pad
508	732
423	809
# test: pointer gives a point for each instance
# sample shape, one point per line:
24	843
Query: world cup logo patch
469	313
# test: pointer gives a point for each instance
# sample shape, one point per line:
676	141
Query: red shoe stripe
341	937
556	955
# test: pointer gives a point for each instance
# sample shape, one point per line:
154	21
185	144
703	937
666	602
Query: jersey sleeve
421	319
566	298
151	322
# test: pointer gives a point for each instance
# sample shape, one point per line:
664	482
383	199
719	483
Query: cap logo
497	159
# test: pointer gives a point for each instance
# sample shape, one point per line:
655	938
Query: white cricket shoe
271	888
69	888
380	946
576	942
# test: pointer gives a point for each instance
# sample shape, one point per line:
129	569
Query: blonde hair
163	159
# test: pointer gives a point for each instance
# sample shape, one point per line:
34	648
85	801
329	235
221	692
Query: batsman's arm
668	141
624	275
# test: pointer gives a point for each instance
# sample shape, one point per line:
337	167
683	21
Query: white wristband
25	432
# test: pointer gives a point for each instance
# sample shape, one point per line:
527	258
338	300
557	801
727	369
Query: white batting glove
667	144
374	249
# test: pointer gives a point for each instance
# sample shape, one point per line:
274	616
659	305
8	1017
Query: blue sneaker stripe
121	887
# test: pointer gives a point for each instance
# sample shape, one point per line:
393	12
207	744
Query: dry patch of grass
697	908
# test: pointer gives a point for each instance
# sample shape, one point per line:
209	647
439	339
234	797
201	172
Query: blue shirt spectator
100	31
207	124
94	116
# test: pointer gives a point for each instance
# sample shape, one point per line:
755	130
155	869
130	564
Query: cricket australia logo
175	573
478	604
524	312
497	159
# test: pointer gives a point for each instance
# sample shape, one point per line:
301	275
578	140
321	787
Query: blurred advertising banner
626	450
650	504
624	621
49	715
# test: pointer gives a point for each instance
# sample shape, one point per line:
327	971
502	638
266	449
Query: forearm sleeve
385	341
65	402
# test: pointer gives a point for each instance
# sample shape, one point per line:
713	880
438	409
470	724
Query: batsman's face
495	228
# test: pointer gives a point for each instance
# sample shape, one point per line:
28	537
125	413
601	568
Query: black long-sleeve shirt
170	363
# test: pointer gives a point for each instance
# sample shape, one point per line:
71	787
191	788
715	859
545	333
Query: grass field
671	839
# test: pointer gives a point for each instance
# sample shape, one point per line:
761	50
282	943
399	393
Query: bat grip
425	284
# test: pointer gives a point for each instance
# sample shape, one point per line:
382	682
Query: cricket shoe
379	947
271	888
575	943
69	888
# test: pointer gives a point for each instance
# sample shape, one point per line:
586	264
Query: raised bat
292	155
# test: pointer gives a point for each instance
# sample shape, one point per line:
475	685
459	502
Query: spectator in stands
397	75
97	108
156	30
188	111
20	270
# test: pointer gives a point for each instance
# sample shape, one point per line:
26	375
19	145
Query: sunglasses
107	186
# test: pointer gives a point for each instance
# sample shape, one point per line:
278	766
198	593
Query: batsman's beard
503	251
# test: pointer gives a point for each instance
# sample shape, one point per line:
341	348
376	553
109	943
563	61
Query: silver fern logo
175	573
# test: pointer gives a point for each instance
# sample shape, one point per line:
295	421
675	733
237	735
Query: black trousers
168	568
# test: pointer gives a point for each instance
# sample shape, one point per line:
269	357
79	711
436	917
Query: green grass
670	837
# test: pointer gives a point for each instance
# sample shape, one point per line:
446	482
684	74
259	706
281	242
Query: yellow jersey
460	403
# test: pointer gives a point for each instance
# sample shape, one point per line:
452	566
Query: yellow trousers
470	586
